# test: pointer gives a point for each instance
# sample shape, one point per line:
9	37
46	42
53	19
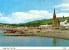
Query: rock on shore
56	33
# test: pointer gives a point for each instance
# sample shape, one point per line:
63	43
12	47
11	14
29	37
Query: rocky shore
24	31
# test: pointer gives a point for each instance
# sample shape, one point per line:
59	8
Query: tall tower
63	18
55	20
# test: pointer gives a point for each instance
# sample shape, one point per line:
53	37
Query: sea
31	41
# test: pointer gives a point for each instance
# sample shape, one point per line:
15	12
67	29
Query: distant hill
41	22
36	22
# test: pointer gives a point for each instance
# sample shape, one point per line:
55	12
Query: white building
45	26
64	24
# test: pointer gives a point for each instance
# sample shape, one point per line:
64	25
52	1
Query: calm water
31	41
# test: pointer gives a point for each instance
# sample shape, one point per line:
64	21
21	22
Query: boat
10	31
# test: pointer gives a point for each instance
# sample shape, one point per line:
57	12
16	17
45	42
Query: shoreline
63	34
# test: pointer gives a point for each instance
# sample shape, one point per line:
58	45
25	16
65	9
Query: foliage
34	23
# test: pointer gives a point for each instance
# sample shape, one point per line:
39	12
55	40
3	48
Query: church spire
54	10
54	14
55	20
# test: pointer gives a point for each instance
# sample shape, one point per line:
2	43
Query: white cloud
31	15
22	17
65	1
62	14
64	6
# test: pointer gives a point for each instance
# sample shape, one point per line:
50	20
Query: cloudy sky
22	11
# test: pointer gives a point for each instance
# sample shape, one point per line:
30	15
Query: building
55	22
64	24
45	26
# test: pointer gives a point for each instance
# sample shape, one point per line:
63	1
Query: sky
22	11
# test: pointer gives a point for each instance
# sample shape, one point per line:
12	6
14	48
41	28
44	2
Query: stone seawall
48	33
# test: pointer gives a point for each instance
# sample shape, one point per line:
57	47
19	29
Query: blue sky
21	11
8	6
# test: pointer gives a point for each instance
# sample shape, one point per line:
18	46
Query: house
45	26
64	24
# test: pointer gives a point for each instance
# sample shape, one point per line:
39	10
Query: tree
68	19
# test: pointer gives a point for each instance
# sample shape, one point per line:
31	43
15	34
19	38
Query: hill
35	23
41	22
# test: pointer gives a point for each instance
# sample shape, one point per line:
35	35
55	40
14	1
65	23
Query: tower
56	22
63	18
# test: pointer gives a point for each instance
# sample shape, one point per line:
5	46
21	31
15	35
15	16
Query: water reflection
31	41
54	41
